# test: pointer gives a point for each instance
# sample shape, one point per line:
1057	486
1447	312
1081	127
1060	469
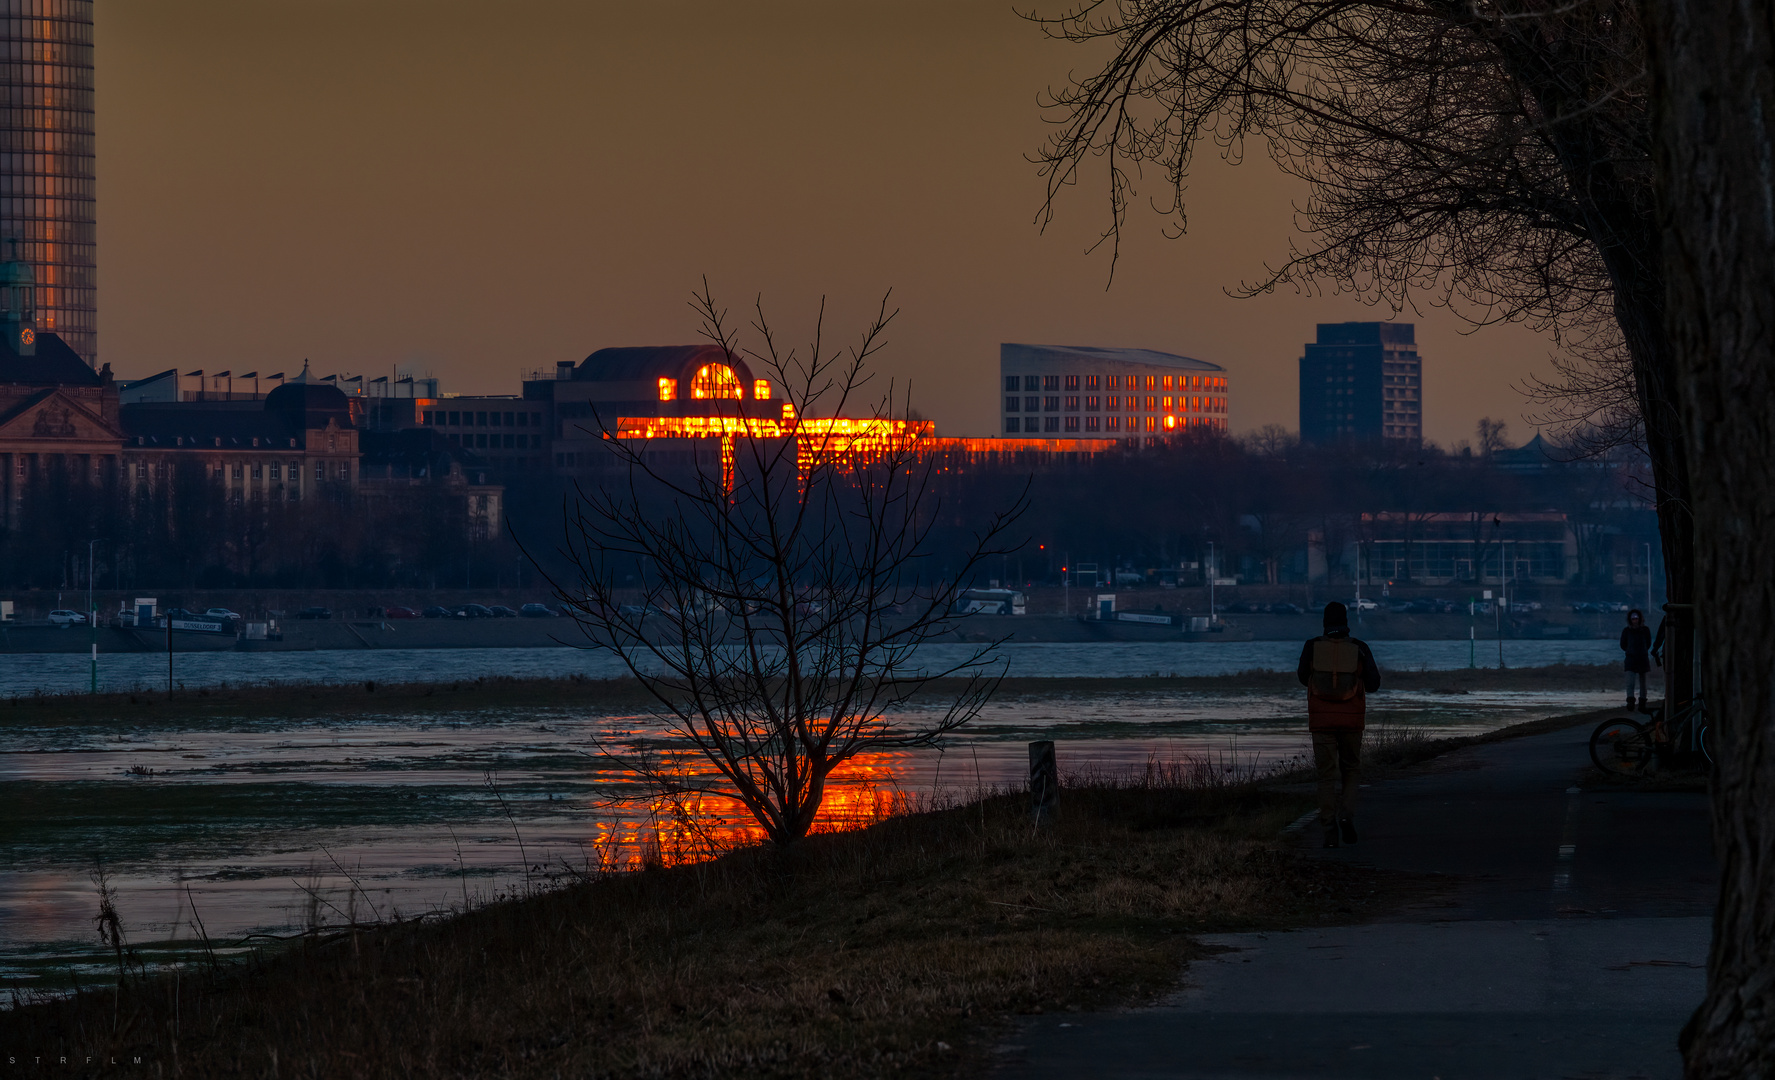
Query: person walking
1339	673
1636	642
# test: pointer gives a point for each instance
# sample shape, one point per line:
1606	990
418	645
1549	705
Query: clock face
27	336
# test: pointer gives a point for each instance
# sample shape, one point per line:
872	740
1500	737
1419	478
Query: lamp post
1213	616
92	616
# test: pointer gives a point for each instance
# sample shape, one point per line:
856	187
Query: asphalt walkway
1573	946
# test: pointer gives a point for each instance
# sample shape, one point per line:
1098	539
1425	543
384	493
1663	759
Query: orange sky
473	190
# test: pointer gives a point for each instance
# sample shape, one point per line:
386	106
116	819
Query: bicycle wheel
1704	739
1621	747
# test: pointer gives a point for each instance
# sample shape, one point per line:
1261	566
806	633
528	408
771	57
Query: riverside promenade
1571	942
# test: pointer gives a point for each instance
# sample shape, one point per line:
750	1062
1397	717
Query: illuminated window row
1115	382
1113	403
715	382
1034	425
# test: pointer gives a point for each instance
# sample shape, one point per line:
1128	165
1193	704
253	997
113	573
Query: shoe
1347	828
1331	832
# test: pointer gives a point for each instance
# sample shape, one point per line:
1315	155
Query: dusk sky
476	190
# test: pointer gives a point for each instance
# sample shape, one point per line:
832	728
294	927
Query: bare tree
786	589
1491	156
1489	434
1711	63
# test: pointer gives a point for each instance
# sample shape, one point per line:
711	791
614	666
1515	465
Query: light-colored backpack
1337	669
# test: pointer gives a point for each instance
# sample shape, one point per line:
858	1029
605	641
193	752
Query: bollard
1044	782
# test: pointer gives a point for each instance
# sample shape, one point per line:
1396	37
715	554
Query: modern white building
1140	396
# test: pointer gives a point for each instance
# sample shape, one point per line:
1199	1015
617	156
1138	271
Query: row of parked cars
475	611
127	617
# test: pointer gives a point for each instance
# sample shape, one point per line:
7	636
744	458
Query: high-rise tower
46	160
1362	381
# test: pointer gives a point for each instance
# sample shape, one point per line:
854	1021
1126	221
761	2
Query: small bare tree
782	597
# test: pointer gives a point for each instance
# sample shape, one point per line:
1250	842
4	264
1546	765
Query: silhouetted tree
774	604
1487	155
1711	64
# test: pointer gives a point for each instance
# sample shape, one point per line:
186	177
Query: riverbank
227	704
903	948
888	951
355	632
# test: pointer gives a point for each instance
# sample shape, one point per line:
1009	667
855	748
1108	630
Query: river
257	825
60	673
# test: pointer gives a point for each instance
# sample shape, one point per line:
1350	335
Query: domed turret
310	405
18	302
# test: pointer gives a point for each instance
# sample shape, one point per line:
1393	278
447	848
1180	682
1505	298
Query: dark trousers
1337	756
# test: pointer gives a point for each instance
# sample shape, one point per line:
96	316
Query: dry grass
894	950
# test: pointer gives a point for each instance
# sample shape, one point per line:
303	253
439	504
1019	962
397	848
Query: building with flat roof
1362	381
1137	396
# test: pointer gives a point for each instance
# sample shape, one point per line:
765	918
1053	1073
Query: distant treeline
1255	498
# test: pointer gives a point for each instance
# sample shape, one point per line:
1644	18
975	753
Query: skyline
509	198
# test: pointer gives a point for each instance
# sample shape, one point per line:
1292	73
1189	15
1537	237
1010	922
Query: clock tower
18	303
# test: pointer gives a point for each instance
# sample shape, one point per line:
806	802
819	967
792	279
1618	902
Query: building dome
310	405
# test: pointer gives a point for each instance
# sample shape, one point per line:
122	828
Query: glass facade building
46	160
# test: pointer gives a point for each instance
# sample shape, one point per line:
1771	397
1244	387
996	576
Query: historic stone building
56	413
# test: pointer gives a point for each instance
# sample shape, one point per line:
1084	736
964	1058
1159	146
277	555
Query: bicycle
1626	747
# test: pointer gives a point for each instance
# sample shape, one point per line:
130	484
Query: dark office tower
1362	381
46	159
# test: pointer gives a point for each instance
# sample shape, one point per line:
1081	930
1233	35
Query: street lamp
92	614
1213	617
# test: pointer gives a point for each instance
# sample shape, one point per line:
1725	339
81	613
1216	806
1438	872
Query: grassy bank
901	949
895	950
623	696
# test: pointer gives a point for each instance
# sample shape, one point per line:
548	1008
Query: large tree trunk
1713	65
1606	176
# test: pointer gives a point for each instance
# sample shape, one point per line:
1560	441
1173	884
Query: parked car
500	611
65	619
436	612
316	612
1244	607
399	613
221	613
474	611
1363	604
536	611
124	617
1285	608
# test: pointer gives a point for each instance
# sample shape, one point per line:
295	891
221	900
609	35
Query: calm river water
58	673
249	825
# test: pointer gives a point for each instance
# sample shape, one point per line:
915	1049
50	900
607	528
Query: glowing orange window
1168	403
1170	422
668	389
714	382
761	389
1166	382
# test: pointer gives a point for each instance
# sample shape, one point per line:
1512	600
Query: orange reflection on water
683	827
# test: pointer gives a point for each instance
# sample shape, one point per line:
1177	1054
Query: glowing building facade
1135	396
46	161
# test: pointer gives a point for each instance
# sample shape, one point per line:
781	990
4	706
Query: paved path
1573	946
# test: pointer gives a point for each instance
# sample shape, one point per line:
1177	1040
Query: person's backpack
1337	669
